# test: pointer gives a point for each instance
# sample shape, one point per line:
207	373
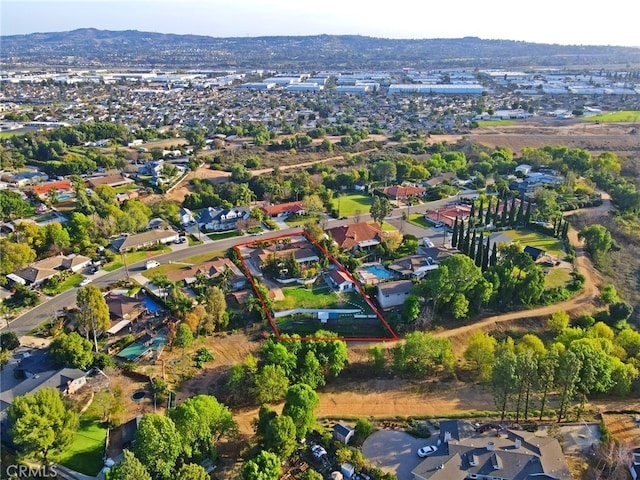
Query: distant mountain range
93	48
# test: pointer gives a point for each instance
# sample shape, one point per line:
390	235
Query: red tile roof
339	277
291	207
44	188
348	236
398	191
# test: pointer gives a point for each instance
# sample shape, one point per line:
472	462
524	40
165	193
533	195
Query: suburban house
22	179
400	192
122	307
466	453
343	432
42	270
444	177
128	195
356	235
62	188
284	209
110	180
447	216
218	219
301	251
393	294
535	252
144	240
414	266
186	216
339	280
211	269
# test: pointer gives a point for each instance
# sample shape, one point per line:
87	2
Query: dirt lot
624	427
595	137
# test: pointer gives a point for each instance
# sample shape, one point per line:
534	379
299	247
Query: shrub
202	356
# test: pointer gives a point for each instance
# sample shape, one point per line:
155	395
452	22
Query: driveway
395	452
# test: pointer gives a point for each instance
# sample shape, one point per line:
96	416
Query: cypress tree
503	218
527	215
480	251
494	255
472	246
496	214
460	236
485	257
565	231
487	218
512	212
520	216
472	214
454	235
466	240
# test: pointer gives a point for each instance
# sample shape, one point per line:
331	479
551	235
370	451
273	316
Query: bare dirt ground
624	428
592	136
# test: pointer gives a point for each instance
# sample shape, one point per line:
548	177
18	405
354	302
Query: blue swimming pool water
64	196
152	306
378	271
158	340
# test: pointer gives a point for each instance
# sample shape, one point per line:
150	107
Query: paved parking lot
395	452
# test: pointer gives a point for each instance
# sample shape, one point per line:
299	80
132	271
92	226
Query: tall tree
527	215
280	436
93	312
480	251
271	384
192	471
71	350
216	309
264	466
380	209
300	404
41	423
597	240
480	353
503	380
158	445
487	218
547	367
184	340
130	468
454	235
567	376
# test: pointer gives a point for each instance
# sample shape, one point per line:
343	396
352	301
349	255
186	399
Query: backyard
353	204
529	238
85	455
320	296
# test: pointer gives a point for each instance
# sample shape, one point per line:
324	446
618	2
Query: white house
340	281
393	294
186	216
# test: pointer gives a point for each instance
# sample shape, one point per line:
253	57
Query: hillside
92	48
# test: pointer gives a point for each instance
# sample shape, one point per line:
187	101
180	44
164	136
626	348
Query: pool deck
368	277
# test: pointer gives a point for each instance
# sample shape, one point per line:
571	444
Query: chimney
491	447
447	437
518	443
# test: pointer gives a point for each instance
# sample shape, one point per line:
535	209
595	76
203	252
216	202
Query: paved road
31	319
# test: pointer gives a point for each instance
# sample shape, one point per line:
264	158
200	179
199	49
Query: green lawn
68	284
305	326
223	235
387	227
557	277
418	220
623	116
320	296
301	220
193	240
528	238
134	257
489	123
126	188
350	205
85	453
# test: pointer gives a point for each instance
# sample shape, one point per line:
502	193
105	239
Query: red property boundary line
393	338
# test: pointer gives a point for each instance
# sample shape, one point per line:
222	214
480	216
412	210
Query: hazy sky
546	21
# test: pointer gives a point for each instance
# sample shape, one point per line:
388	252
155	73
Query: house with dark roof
415	266
393	294
212	269
357	235
110	180
219	219
465	453
535	252
343	432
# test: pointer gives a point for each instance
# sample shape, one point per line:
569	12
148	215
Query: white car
85	282
427	450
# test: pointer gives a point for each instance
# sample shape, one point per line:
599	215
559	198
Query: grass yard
301	220
346	327
491	123
204	257
418	220
300	297
528	238
126	188
387	227
614	117
85	453
223	235
350	205
557	277
193	240
68	284
134	257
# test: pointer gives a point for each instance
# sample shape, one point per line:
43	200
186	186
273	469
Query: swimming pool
151	306
378	270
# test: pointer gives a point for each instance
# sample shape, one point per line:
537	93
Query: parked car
426	450
85	282
152	264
